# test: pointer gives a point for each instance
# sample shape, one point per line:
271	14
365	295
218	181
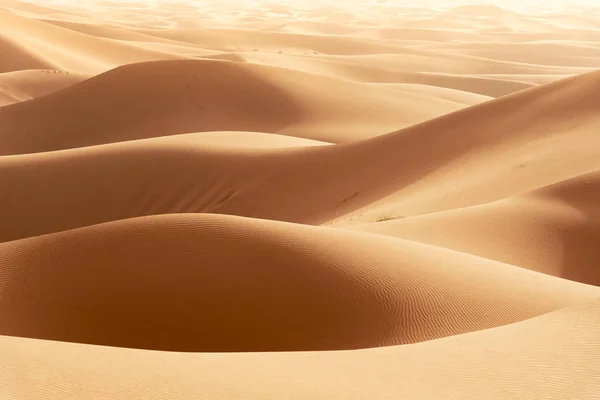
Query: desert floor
335	200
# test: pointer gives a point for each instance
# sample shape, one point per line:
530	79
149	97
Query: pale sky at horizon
528	6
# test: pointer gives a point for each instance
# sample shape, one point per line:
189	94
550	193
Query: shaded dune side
170	97
495	364
221	283
146	100
553	230
493	150
57	191
63	190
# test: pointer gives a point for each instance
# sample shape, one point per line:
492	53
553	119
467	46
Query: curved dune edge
146	100
550	138
160	98
15	58
222	283
179	174
241	139
490	151
375	72
552	230
490	364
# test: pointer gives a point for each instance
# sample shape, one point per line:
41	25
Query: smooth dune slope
506	362
403	173
493	150
169	97
15	58
377	73
552	230
222	283
146	100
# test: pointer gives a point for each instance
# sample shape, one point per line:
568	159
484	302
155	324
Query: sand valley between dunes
299	200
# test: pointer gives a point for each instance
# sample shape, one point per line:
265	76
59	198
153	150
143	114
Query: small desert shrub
387	217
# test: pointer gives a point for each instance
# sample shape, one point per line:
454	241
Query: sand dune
479	85
491	364
552	230
70	50
134	283
299	200
29	84
177	98
308	185
522	148
15	58
203	95
556	54
173	175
